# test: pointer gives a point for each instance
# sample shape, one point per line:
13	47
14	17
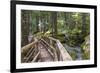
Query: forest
71	29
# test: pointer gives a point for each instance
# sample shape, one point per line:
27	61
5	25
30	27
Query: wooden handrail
51	53
55	54
65	55
63	52
36	56
28	46
27	58
58	53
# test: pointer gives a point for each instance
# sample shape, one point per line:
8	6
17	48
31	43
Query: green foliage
42	34
73	55
86	55
61	37
76	25
74	37
86	48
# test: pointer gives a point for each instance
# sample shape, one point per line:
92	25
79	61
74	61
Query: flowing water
77	50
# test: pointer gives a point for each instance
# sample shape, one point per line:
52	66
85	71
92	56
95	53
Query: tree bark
83	24
54	23
24	27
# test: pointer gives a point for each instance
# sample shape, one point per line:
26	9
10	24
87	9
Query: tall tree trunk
68	19
24	27
54	23
30	36
65	20
83	24
37	23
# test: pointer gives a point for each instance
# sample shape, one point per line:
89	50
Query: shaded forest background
71	28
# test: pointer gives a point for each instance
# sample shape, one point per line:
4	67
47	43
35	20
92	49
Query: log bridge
44	50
